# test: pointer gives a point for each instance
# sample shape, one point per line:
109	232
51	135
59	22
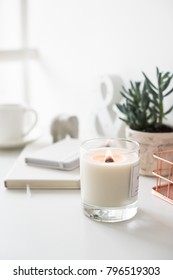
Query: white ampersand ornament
107	122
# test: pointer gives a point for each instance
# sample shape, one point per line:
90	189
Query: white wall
80	40
11	85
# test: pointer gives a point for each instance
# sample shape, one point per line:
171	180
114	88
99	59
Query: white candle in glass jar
109	177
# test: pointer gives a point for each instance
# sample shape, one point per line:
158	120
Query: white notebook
22	175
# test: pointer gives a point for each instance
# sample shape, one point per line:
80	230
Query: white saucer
32	136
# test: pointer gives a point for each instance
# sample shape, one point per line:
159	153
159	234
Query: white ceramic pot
150	143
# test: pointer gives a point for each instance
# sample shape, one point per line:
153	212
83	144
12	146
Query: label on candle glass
134	181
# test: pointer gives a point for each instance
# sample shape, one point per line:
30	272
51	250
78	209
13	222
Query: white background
78	41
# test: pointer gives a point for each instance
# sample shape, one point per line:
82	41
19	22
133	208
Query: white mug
16	121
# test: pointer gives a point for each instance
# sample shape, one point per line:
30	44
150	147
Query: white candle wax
109	184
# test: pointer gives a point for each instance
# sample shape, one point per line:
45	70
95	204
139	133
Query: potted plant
145	113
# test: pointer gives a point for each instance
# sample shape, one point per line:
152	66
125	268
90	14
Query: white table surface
51	225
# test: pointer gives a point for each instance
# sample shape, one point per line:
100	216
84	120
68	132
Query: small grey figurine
63	125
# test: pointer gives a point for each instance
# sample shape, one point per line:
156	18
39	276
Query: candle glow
109	157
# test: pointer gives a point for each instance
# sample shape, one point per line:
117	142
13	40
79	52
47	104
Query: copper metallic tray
164	175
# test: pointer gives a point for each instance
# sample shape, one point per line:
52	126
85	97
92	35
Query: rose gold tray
164	175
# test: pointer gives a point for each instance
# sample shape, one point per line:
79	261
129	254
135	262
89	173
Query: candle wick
109	159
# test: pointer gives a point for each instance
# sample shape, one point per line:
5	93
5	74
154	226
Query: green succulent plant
144	103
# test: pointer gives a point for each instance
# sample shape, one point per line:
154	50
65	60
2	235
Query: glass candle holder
109	173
